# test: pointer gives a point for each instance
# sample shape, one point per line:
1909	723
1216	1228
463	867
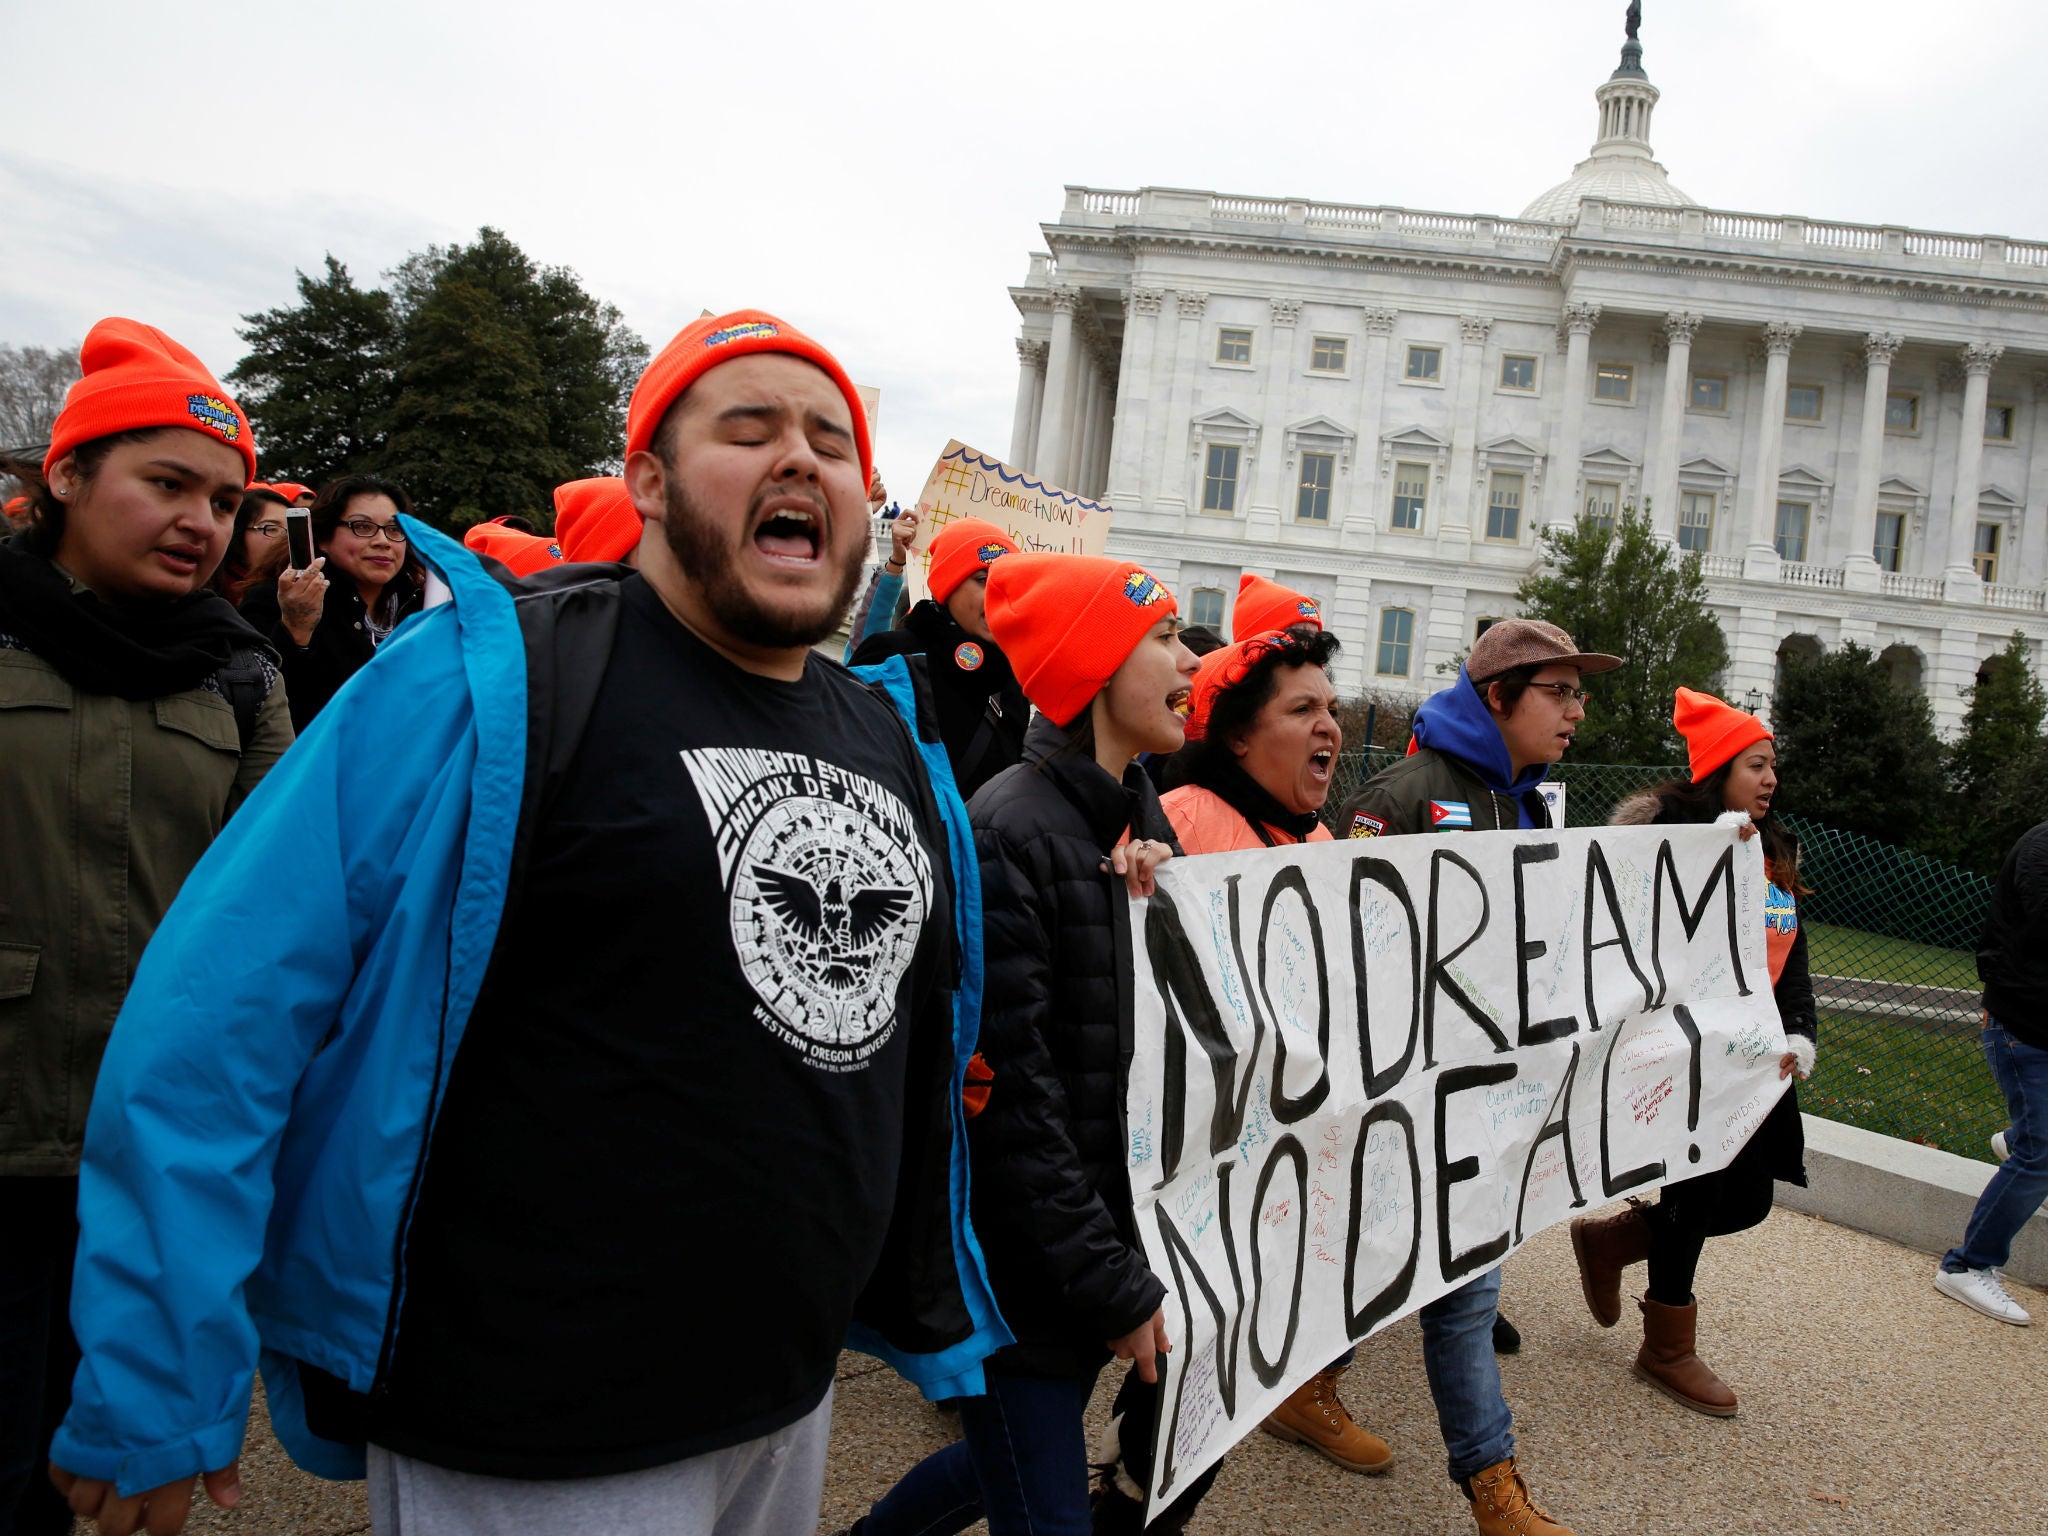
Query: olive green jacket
105	806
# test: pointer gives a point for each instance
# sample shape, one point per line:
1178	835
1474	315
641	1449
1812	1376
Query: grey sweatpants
766	1487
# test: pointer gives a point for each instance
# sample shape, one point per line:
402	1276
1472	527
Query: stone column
1055	419
1454	528
1085	428
1030	392
1578	323
1859	566
1367	505
1679	329
1960	578
1133	395
1269	505
1174	476
1107	359
1760	554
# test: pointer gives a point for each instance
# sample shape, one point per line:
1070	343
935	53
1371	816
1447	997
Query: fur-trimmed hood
1638	810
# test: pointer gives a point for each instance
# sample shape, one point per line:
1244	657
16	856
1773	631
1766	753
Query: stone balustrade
1790	236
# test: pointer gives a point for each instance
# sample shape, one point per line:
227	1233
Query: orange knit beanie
1714	732
1066	622
134	377
1264	605
595	519
962	547
520	553
715	339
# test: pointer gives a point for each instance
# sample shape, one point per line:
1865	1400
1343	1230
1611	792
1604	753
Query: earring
62	491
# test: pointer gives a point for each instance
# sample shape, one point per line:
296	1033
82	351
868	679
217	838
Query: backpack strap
245	684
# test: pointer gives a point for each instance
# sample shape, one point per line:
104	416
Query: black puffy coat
982	712
1052	1198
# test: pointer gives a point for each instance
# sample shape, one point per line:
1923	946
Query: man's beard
701	548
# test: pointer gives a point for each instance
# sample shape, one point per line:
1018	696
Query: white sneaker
1999	1149
1984	1291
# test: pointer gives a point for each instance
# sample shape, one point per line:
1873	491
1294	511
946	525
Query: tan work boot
1667	1361
1313	1416
1502	1506
1606	1245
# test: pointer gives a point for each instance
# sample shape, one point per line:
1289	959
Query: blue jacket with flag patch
267	1100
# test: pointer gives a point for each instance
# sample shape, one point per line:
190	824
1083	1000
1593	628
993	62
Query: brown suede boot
1313	1416
1502	1506
1606	1245
1667	1361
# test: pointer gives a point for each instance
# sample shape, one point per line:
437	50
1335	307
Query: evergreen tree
1856	752
1622	590
477	377
469	428
317	379
1996	762
587	357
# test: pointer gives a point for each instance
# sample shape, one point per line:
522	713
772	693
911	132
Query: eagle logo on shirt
828	886
842	925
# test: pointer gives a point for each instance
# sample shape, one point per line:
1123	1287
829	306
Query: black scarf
1224	776
144	651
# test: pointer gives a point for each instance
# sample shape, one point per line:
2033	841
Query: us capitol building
1383	408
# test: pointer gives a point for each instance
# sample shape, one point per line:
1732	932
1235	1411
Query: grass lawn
1924	1087
1832	951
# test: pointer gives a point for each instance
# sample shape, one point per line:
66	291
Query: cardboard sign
1038	516
1366	1072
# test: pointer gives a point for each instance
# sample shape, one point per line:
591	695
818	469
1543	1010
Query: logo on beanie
991	552
212	411
555	550
967	656
1307	608
1142	590
740	333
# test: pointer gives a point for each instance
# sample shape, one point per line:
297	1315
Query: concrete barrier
1919	1196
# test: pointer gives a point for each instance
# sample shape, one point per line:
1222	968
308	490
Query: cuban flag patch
1450	815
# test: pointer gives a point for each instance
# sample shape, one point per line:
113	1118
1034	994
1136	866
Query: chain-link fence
1891	941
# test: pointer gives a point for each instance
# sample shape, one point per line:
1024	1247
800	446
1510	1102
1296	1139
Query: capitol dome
1622	168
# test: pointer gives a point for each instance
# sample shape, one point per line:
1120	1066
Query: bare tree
32	385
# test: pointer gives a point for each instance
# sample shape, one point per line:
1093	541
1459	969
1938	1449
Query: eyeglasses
1565	693
366	530
266	530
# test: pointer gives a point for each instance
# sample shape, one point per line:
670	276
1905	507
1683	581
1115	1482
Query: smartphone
298	536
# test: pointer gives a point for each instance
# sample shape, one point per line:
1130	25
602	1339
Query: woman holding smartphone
328	618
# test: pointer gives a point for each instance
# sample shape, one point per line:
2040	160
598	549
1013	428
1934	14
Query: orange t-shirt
1207	823
1781	927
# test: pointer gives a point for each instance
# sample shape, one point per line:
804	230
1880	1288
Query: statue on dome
1635	19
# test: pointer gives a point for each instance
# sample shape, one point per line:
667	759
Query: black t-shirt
668	1153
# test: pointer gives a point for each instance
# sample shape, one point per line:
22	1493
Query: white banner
1366	1071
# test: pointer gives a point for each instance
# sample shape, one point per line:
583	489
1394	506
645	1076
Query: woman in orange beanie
137	711
595	520
1093	643
1734	767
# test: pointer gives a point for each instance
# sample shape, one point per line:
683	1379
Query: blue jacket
267	1099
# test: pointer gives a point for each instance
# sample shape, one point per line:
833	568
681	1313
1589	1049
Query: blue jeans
2020	1185
1464	1376
1023	1462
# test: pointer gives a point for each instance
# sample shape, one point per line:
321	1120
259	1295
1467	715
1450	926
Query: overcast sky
877	174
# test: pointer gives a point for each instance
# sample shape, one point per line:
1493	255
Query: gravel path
1869	1403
